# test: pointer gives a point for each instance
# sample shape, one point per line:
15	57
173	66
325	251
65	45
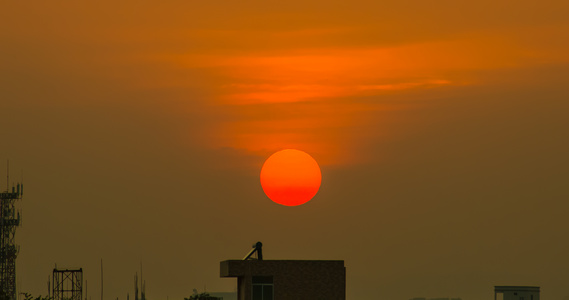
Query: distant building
516	293
423	298
287	279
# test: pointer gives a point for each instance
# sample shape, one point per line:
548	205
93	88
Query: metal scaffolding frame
9	220
67	284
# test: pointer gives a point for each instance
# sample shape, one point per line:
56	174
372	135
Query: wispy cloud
405	85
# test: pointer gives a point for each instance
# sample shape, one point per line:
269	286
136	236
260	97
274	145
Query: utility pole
101	279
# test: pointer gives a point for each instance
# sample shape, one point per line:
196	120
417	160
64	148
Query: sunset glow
290	177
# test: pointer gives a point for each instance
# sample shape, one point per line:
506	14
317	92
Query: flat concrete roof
236	268
516	288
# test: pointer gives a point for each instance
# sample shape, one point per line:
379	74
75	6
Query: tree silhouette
202	296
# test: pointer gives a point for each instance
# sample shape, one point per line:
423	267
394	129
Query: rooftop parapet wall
236	268
507	288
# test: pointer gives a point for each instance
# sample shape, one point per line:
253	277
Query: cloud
405	85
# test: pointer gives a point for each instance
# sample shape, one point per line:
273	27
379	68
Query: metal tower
9	220
67	284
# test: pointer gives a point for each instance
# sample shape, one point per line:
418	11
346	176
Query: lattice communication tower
9	220
67	284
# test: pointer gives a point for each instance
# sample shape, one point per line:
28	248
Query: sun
290	177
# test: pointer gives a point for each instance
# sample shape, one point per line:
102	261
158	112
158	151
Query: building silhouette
443	298
259	279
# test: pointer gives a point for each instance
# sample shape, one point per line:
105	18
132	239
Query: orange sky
428	119
249	58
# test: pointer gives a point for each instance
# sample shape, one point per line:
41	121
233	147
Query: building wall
292	279
516	293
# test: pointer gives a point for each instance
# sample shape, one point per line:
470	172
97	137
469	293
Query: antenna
9	221
8	175
101	279
258	248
